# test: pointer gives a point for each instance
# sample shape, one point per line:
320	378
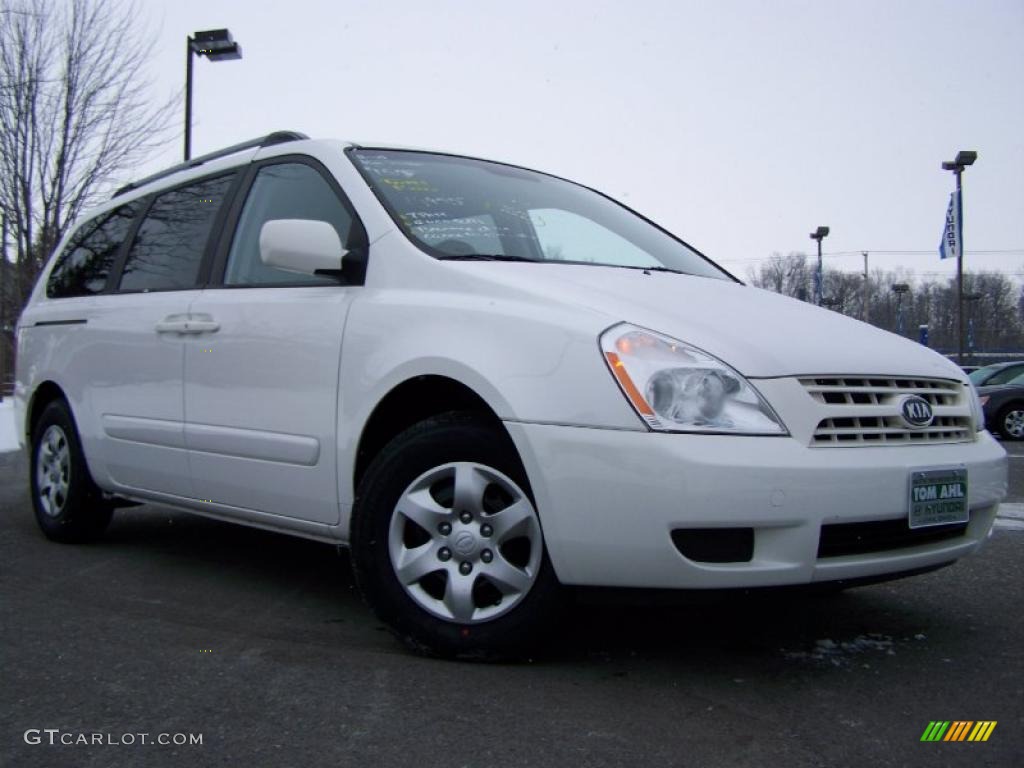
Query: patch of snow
8	433
840	654
1009	509
1010	517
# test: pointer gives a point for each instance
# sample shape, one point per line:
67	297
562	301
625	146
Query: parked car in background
1004	408
997	373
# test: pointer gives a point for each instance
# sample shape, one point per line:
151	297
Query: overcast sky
738	125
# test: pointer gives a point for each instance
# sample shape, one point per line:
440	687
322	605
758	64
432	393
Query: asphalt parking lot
179	625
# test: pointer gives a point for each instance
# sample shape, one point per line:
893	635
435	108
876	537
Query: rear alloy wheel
447	544
68	505
1011	422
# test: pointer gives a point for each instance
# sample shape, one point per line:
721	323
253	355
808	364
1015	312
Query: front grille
840	539
859	411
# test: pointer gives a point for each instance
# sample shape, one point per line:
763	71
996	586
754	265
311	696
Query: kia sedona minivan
490	383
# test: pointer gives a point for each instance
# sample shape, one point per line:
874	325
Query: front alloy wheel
465	543
447	546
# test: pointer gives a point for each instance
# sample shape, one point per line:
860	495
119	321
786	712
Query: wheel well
409	403
45	394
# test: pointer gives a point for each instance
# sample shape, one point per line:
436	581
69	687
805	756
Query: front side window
283	191
85	264
461	208
169	246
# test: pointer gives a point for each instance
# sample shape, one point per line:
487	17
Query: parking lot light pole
899	289
971	299
216	45
819	234
963	159
864	289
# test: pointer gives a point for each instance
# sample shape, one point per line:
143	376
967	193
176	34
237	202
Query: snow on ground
1010	516
8	434
842	653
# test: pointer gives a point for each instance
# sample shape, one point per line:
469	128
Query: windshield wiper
484	257
658	268
508	257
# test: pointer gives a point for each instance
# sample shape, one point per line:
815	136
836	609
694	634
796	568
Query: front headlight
678	388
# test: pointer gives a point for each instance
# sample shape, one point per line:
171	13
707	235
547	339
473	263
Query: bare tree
995	310
788	275
75	113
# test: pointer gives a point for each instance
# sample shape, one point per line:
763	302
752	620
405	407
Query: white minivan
489	383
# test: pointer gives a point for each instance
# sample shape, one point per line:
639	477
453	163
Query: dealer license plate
938	497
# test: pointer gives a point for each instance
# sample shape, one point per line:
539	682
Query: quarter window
169	245
282	191
83	268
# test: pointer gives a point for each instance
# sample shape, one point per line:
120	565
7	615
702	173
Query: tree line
993	303
75	113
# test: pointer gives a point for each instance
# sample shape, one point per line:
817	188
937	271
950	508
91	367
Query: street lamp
899	289
971	299
963	159
216	45
819	234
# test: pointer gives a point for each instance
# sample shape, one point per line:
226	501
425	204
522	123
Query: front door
261	393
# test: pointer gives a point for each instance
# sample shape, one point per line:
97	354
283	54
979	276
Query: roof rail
277	137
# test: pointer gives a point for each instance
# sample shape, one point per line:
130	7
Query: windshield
461	208
979	375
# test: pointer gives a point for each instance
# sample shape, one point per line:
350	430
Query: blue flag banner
949	248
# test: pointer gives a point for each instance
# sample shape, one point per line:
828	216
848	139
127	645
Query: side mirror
301	245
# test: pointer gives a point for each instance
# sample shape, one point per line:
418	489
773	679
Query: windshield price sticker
938	497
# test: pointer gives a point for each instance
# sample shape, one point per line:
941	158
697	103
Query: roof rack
277	137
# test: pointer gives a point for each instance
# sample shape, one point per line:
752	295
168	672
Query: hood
757	332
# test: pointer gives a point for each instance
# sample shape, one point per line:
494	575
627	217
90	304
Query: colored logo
958	730
917	411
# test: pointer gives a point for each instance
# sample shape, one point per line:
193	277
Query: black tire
428	447
1010	421
69	507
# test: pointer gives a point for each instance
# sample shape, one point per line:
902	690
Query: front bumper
609	499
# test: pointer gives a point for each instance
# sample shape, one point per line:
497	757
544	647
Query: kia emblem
917	411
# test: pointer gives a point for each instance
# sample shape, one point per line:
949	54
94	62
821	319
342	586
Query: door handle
186	325
201	326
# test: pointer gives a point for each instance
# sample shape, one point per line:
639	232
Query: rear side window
282	191
85	264
172	237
